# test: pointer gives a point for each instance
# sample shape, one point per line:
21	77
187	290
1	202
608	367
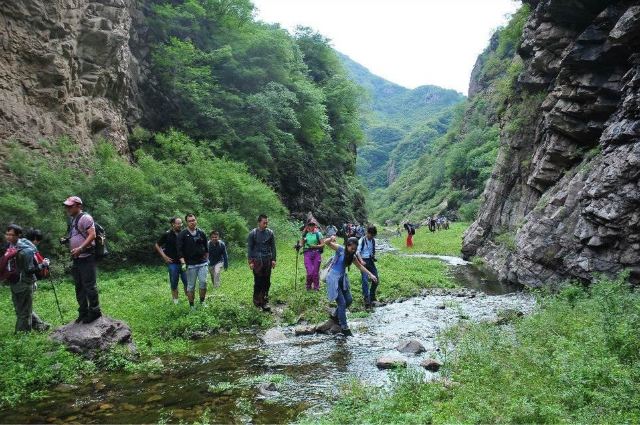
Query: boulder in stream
268	389
274	336
432	365
411	346
89	339
387	362
304	330
329	327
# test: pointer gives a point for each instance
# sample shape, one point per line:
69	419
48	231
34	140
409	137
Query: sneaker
347	332
80	318
91	317
266	308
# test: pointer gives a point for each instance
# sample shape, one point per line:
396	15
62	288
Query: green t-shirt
312	239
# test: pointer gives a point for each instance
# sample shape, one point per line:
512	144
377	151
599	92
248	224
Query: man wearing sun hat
81	239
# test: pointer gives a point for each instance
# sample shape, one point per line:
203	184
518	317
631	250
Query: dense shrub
133	201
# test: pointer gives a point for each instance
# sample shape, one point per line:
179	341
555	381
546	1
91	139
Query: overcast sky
409	42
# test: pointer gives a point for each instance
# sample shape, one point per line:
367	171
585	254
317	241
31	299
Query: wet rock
155	397
268	389
304	330
95	337
390	362
274	336
441	307
412	346
106	406
99	386
128	407
198	335
431	365
331	326
66	388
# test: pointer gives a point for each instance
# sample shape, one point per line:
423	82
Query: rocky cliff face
68	67
563	201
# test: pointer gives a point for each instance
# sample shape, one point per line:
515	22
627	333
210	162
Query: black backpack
100	249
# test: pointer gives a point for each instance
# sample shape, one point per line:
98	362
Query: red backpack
42	267
9	268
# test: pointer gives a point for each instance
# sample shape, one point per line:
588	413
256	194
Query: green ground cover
443	242
576	360
140	296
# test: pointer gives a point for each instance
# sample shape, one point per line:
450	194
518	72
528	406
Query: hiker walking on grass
411	230
261	254
81	239
218	258
194	258
312	244
338	280
18	269
367	252
167	248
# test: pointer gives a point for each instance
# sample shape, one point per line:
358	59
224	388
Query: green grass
140	296
576	360
443	242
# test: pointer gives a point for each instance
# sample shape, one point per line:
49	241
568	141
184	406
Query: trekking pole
295	281
53	285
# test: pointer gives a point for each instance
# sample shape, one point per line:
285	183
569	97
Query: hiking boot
347	332
266	309
80	318
91	317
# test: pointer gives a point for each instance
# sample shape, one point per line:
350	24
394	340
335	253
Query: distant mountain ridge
399	123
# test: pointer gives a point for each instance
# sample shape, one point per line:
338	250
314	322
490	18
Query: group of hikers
21	264
190	257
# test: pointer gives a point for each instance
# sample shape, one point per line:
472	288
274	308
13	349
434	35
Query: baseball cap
72	200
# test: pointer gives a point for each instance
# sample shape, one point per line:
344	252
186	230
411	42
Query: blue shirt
336	274
365	248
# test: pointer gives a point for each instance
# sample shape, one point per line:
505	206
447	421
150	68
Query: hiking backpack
100	249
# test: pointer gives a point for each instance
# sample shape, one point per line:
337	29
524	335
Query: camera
297	246
65	240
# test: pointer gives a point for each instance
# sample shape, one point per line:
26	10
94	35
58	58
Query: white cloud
409	42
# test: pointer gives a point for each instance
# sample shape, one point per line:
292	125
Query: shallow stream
223	372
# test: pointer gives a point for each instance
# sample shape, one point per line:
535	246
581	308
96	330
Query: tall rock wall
68	68
563	201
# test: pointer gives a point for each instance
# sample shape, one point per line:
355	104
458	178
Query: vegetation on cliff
450	175
253	93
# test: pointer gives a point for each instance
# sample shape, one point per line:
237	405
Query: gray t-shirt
79	232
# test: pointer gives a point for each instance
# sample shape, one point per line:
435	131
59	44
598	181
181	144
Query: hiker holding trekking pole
312	246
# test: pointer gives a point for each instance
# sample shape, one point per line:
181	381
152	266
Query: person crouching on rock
338	280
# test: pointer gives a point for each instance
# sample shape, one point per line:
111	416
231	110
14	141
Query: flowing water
223	372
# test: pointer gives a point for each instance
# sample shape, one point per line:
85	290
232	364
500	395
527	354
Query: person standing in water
338	280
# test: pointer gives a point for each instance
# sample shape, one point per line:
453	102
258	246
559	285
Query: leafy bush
133	202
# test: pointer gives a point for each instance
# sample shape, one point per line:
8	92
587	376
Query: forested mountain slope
399	123
170	85
450	173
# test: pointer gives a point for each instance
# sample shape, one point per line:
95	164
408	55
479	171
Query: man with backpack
261	254
82	241
312	244
42	264
18	268
193	252
367	252
167	248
